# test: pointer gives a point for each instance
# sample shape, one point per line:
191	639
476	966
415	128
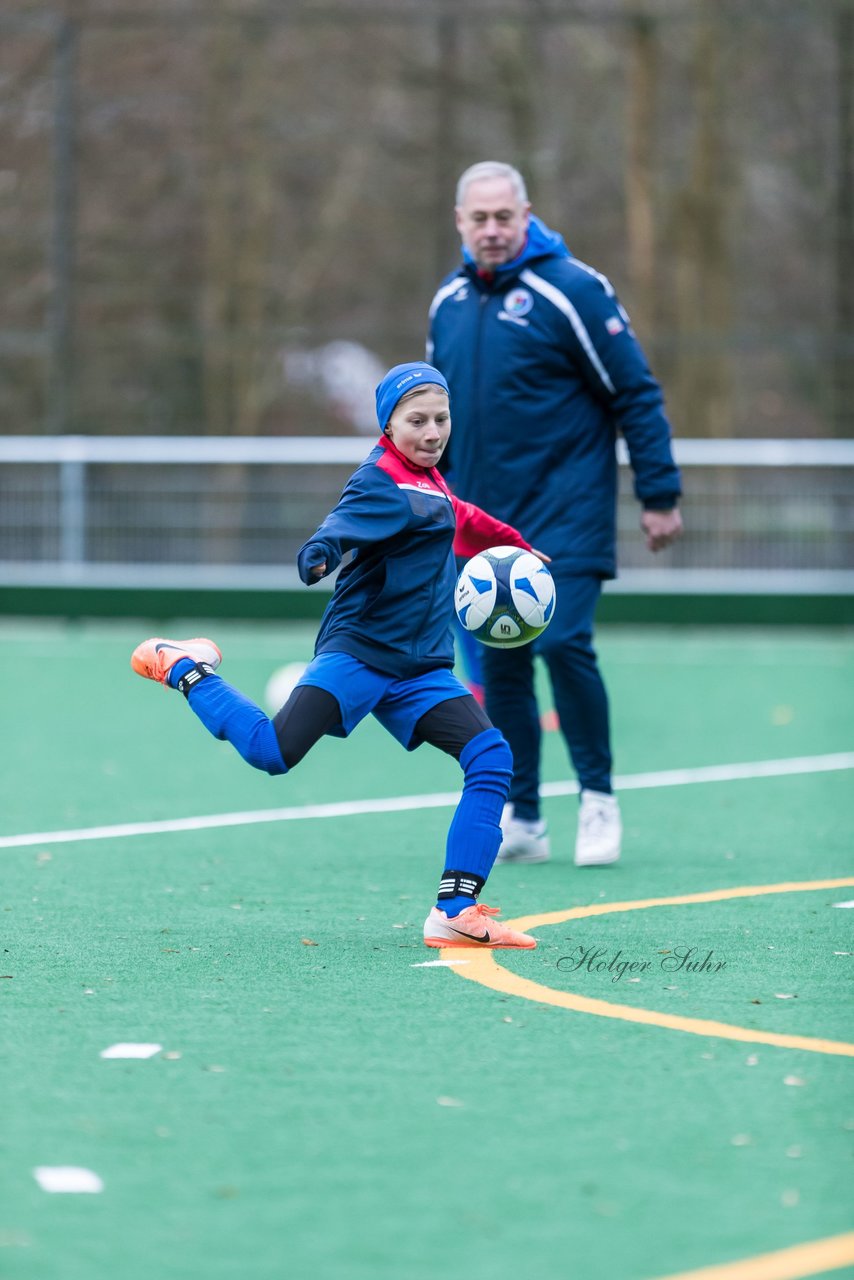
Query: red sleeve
477	530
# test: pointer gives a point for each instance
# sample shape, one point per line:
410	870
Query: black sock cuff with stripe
456	884
193	676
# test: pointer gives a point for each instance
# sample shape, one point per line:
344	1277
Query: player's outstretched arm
313	561
369	511
477	530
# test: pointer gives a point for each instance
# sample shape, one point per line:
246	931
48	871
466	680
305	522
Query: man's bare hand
541	555
661	528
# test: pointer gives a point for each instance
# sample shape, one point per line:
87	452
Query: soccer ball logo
505	597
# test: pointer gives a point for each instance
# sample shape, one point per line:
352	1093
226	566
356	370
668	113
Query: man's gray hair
491	169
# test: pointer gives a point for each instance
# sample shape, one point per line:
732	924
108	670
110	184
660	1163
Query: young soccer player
384	646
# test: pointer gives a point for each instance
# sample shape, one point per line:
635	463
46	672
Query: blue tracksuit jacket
393	601
544	370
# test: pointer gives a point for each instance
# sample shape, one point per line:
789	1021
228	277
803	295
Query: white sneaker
600	830
522	840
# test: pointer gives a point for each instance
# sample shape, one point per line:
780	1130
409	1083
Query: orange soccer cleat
474	927
155	658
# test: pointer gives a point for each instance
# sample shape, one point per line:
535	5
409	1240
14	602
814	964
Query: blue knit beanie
399	380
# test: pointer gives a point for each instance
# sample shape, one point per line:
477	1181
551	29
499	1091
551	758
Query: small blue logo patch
518	302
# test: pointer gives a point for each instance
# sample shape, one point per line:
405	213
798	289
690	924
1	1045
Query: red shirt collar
432	472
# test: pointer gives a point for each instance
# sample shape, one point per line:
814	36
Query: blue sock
453	906
231	717
181	667
475	831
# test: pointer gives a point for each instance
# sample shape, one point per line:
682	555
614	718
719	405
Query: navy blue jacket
544	371
393	602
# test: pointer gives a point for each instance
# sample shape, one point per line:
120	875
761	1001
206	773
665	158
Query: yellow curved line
809	1259
482	967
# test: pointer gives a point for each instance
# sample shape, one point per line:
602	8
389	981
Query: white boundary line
438	800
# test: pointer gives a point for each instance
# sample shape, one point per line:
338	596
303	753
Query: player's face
492	222
420	426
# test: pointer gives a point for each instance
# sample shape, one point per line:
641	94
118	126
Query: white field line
131	1050
438	800
67	1177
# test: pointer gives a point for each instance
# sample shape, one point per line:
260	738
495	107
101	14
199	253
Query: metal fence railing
761	515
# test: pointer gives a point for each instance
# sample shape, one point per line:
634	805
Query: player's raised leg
190	666
155	658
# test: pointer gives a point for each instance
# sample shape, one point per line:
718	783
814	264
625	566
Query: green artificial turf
323	1108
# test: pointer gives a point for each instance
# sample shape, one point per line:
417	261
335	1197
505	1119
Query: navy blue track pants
579	696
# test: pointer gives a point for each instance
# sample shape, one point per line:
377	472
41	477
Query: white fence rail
761	515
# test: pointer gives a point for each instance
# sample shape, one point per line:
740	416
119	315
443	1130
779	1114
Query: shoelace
484	910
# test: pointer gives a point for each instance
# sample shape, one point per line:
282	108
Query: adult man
544	371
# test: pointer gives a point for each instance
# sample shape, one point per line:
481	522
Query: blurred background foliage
197	200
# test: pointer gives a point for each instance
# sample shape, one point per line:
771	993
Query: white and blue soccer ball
505	597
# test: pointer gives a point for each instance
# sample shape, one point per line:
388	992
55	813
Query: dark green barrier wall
616	607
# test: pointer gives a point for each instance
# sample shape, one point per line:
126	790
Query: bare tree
843	381
703	292
640	168
239	208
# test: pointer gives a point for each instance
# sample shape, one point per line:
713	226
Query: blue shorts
397	704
